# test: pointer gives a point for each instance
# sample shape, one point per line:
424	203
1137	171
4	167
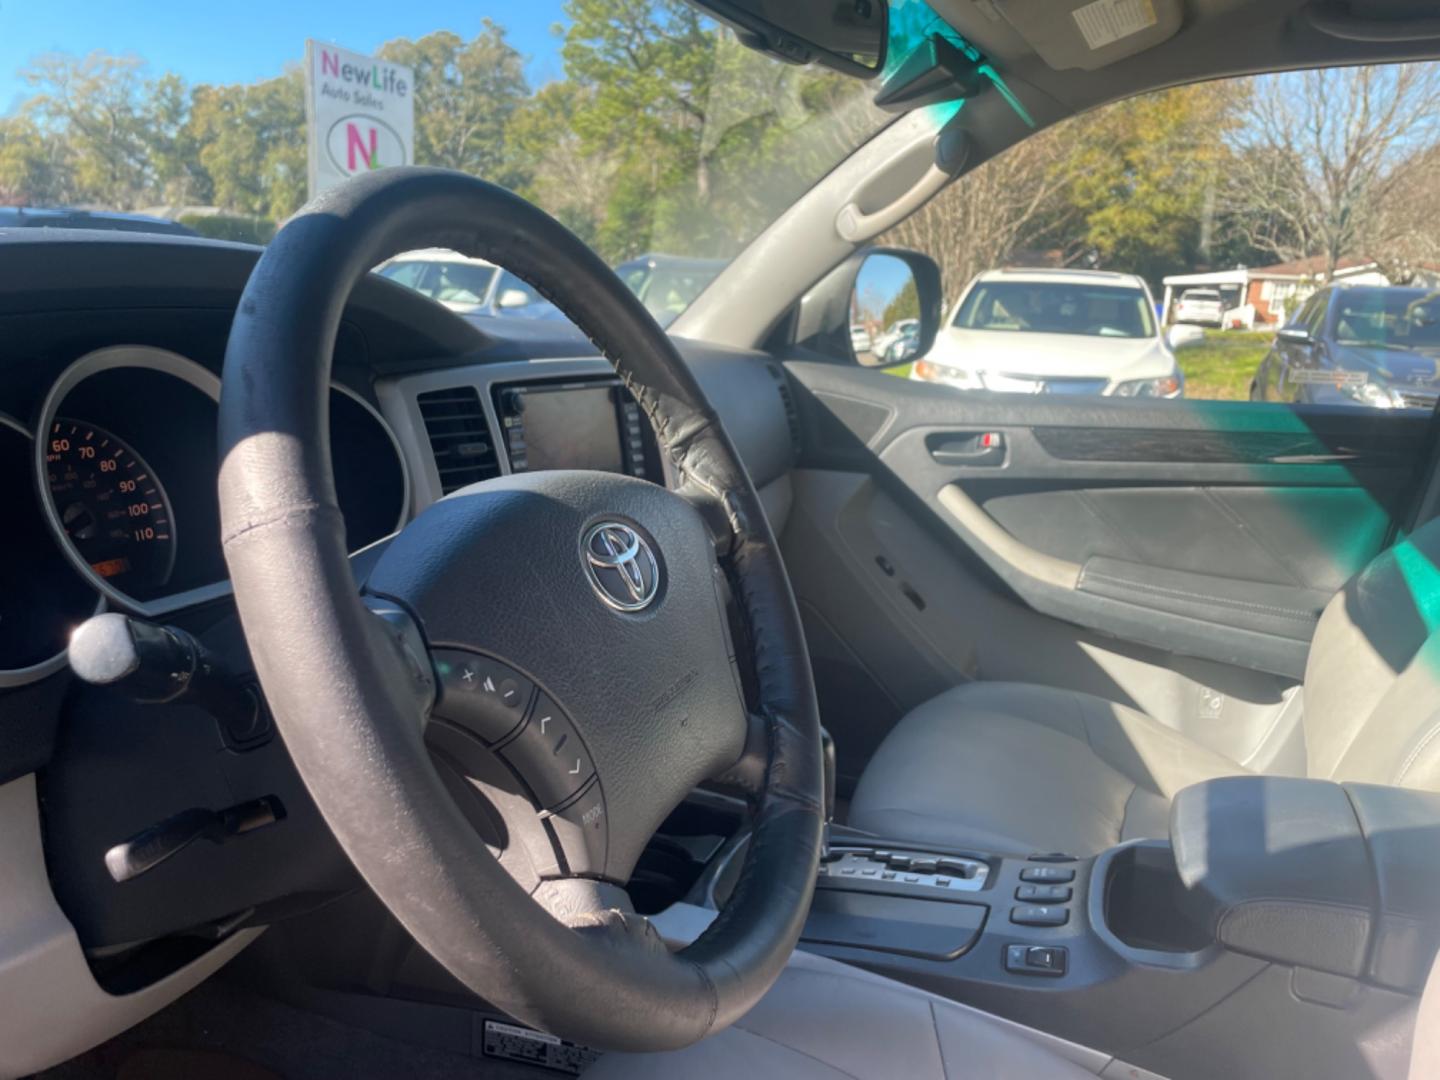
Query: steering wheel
556	640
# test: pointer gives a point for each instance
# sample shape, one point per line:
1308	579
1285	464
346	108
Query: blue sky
226	41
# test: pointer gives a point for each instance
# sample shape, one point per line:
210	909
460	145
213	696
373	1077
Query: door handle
984	448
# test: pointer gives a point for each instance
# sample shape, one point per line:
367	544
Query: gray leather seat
1008	767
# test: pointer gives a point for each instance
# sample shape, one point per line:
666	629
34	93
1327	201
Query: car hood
1390	365
1052	355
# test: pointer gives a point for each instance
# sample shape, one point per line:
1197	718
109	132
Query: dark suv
1357	345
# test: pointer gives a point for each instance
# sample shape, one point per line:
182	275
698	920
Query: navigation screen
572	429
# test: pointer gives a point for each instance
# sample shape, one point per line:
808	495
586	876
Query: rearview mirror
846	35
1296	335
512	298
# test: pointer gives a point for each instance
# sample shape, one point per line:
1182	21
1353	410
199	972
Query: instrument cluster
112	497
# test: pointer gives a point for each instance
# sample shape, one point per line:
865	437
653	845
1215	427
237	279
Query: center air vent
459	436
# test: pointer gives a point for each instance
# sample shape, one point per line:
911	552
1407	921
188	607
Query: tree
1006	203
1145	176
465	94
251	141
699	140
35	167
572	184
906	305
1124	187
100	103
1319	155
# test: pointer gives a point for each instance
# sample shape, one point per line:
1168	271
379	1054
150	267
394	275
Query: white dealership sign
359	113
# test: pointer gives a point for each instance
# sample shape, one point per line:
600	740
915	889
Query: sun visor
1091	34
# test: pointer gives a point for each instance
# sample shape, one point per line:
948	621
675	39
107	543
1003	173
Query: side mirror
513	298
1296	335
858	312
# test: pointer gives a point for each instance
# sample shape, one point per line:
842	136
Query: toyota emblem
621	566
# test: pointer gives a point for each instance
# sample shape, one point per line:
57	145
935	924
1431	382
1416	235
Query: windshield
642	125
1043	307
1388	318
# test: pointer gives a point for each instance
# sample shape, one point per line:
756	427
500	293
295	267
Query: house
1264	295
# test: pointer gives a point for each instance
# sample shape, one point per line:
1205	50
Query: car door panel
1155	522
894	614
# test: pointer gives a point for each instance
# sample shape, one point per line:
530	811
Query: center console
1284	928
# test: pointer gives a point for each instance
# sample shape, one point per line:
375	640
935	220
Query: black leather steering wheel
523	595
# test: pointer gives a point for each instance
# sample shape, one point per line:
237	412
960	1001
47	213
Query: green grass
1220	367
1217	369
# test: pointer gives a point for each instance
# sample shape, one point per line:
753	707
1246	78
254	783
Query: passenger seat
1020	768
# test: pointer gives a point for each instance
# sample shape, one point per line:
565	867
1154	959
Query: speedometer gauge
111	505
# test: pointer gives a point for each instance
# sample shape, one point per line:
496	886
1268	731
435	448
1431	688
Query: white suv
1203	306
1055	332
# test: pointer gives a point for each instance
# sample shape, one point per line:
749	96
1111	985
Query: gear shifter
159	665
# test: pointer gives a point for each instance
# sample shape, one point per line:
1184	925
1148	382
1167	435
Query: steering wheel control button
582	831
622	567
1039	915
480	694
1050	875
549	754
1051	960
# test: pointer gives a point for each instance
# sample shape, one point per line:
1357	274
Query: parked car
667	284
860	339
891	345
1056	332
61	217
1202	306
1357	345
468	286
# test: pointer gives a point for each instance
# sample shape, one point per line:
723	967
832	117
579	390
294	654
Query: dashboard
111	352
111	492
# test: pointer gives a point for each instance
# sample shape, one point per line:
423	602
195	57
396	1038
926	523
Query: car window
1223	198
1389	318
1051	308
1305	317
461	283
409	274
